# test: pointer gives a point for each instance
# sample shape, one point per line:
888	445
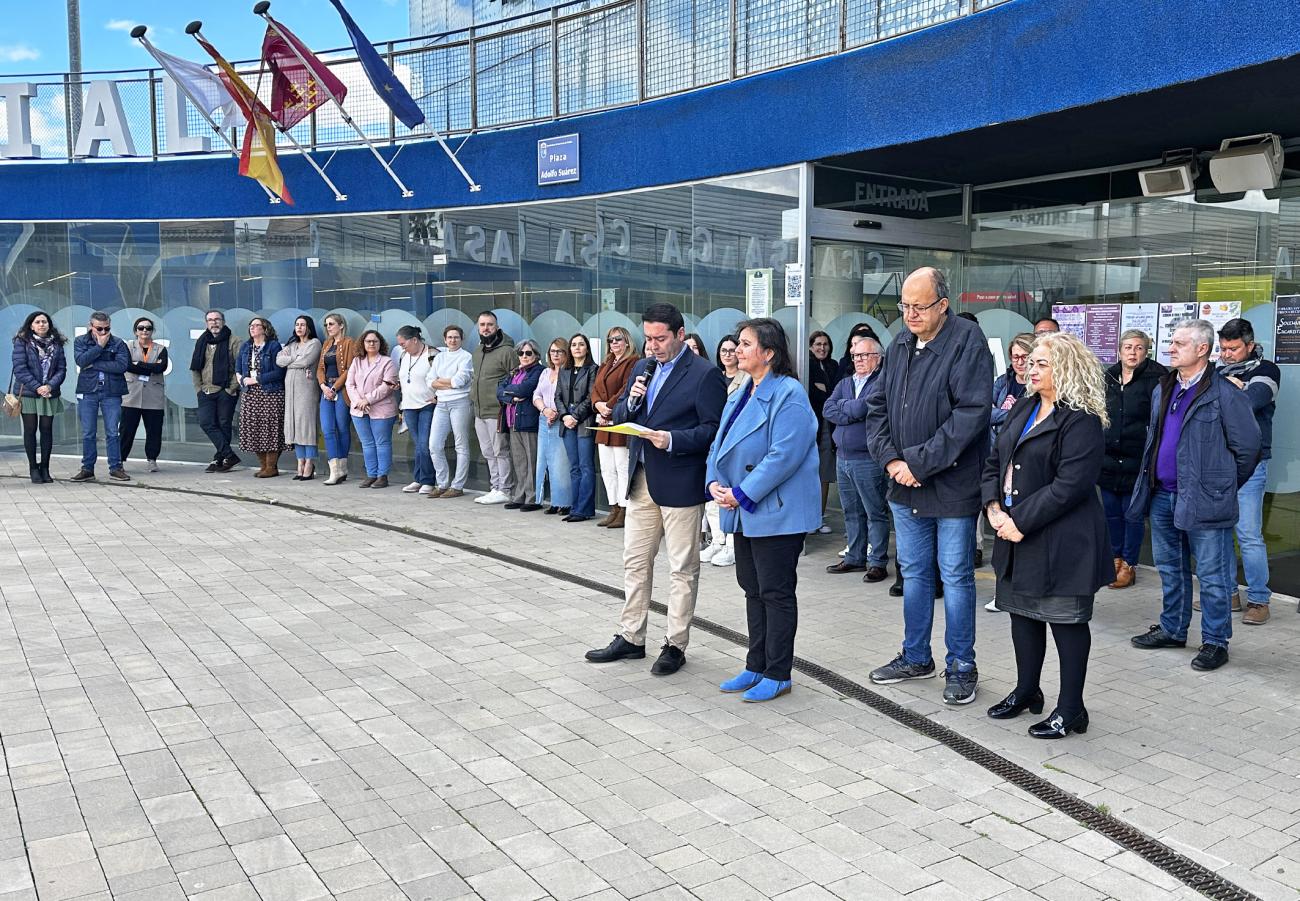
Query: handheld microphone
645	377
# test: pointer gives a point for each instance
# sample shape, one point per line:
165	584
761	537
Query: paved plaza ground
206	698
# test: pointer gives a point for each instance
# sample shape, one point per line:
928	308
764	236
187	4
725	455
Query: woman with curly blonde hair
1052	552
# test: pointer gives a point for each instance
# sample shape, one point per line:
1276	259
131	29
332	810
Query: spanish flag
258	159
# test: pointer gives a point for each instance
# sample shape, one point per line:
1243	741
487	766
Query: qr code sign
794	284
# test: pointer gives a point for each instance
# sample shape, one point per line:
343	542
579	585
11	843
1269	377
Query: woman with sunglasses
261	412
519	423
40	364
145	398
372	378
300	357
611	378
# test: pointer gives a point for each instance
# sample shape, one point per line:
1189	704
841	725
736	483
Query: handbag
13	402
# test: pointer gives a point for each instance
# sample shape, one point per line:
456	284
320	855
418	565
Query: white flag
203	86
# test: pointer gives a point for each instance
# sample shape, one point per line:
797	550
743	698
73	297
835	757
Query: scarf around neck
45	348
222	366
1243	369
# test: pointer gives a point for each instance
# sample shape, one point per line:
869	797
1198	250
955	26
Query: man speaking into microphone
679	397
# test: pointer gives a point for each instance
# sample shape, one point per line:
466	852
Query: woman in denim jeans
577	415
450	377
413	367
552	458
332	374
371	380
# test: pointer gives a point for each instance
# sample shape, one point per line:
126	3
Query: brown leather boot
1119	561
620	513
1125	576
609	517
272	464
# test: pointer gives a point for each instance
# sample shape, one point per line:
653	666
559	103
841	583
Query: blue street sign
557	160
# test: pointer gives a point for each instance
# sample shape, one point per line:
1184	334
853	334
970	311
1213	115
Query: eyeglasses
908	308
144	328
726	350
866	356
553	350
103	329
1019	358
529	353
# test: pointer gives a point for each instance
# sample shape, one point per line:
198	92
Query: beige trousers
647	524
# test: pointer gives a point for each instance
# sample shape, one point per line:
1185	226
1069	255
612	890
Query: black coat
1065	551
930	408
1129	409
573	396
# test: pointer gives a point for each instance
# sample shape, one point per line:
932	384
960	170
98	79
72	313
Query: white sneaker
710	552
724	557
843	553
426	489
411	488
823	529
992	606
494	497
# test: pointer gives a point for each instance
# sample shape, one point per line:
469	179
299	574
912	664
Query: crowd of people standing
1063	460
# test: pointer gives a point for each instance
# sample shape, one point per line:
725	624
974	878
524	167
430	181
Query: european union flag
385	83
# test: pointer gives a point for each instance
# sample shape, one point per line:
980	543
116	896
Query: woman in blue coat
40	365
763	473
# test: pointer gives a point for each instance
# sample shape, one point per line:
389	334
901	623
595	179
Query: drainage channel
1153	851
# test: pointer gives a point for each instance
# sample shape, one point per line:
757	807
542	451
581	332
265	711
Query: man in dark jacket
493	359
1202	446
927	426
677	397
102	358
1242	363
861	481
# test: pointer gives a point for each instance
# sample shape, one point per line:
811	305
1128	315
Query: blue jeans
454	417
553	461
304	451
582	470
334	416
1125	536
866	515
376	443
917	539
1250	535
1173	550
88	410
419	423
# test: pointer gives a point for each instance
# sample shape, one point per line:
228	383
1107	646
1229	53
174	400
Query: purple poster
1101	331
1072	318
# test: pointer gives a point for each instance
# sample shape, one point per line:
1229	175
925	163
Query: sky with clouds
37	41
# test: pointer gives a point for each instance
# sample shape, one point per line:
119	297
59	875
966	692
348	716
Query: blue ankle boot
746	680
767	690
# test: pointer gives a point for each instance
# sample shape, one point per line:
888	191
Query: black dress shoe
36	475
875	574
513	505
564	511
1012	706
1055	726
530	508
1156	637
896	590
618	649
573	517
45	473
671	659
551	511
979	557
1211	657
843	567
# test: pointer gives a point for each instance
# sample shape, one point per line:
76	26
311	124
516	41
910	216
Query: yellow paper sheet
623	428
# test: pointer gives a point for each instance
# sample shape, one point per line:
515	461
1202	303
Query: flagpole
193	29
138	33
260	10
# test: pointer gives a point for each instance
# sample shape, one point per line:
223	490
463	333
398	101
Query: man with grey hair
102	359
861	481
927	426
1202	445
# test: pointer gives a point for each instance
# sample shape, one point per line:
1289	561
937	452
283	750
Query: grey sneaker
961	686
119	474
899	670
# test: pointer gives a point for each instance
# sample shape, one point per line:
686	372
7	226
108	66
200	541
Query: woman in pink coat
371	380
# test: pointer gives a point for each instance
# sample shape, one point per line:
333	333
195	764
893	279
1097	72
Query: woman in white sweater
450	375
413	368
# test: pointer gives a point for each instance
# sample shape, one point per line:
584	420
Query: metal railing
577	57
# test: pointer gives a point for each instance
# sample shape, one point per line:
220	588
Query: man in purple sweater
1202	446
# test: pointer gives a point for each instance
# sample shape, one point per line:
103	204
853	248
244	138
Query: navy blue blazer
689	405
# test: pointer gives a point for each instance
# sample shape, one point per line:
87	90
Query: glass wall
547	270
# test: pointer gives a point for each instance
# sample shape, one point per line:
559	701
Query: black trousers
1073	642
153	423
31	424
766	571
217	419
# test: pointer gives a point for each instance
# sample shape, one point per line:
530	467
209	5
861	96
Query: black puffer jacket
1129	409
